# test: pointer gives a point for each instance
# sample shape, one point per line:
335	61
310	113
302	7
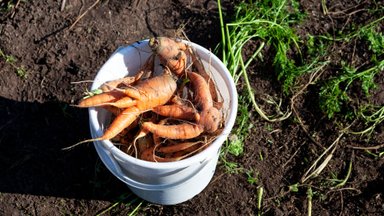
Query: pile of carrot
165	117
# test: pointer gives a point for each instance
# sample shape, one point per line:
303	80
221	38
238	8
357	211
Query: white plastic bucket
164	183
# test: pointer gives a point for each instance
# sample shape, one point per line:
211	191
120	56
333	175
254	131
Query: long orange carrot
201	70
177	111
202	93
154	92
122	121
181	131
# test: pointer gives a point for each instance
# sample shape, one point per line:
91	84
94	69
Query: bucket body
164	183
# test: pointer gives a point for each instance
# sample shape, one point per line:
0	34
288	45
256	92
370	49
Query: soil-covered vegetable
172	98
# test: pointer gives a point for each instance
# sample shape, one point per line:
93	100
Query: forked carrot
100	99
123	102
152	92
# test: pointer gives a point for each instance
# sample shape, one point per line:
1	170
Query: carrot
125	81
123	102
177	111
201	89
122	121
144	72
114	110
149	155
166	47
100	99
181	131
177	64
177	147
200	68
152	92
170	52
210	119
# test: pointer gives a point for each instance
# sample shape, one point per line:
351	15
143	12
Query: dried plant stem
317	170
83	14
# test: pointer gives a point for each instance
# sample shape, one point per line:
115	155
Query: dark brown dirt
37	119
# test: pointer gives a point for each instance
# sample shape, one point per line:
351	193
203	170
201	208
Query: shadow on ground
32	161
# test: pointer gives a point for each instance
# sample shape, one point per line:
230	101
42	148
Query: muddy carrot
171	53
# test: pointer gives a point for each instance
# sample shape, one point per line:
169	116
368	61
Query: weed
127	199
334	93
6	6
9	59
294	188
230	166
236	145
252	177
265	23
342	182
372	116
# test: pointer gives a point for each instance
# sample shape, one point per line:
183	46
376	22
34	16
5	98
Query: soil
37	119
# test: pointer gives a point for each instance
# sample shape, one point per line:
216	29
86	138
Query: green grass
334	93
270	26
